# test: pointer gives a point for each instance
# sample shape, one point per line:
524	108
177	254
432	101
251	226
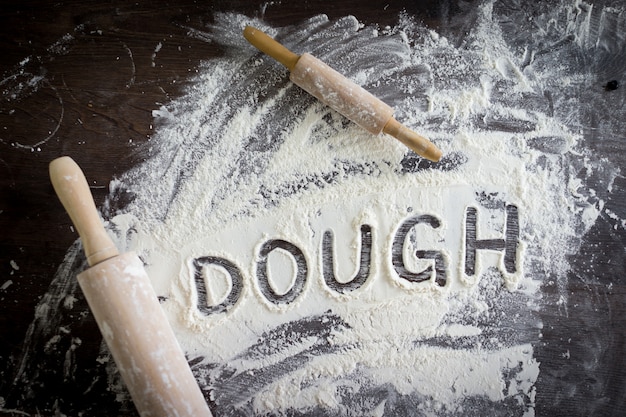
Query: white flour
253	195
247	158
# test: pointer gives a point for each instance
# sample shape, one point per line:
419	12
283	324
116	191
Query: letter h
508	244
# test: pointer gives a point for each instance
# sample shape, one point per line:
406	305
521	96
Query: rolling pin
123	302
341	94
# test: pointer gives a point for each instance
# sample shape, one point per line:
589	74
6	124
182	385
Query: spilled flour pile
308	267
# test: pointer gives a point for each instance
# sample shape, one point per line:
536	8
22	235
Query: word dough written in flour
438	265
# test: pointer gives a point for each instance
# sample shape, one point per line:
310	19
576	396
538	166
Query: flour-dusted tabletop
120	86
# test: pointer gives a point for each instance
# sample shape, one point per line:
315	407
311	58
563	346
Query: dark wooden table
93	92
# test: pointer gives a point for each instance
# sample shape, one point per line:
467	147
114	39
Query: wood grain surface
98	80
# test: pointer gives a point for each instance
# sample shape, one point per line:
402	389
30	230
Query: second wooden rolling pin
341	94
121	298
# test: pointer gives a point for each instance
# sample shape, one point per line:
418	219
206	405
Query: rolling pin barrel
136	330
341	94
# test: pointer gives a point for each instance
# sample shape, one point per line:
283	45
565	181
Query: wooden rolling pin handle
72	189
269	46
419	144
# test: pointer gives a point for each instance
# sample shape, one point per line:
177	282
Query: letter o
263	276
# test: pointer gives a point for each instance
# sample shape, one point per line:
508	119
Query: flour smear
311	268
